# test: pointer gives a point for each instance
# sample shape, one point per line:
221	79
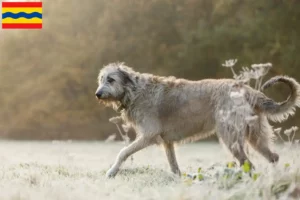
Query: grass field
76	170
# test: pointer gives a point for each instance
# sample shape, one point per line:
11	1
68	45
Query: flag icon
22	15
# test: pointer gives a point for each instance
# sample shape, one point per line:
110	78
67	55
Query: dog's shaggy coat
167	110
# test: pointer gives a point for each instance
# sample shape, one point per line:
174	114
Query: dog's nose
99	94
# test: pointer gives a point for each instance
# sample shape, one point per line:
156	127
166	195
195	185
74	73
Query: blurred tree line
48	77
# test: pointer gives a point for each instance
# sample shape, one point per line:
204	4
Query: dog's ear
126	77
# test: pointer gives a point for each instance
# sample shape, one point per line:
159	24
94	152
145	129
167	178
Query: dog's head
113	83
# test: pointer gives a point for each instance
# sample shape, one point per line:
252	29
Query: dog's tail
280	111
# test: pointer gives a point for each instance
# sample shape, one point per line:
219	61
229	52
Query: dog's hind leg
135	146
261	145
234	140
237	150
259	139
170	152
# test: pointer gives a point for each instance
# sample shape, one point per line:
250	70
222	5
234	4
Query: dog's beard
115	104
106	102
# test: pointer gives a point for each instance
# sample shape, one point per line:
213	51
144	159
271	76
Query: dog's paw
111	173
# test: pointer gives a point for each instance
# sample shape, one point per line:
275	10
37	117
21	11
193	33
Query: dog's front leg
135	146
170	152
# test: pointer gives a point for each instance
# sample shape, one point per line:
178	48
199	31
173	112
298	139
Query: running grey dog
168	110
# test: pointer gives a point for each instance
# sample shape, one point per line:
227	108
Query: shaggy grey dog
168	110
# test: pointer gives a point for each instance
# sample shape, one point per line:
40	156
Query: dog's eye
110	80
